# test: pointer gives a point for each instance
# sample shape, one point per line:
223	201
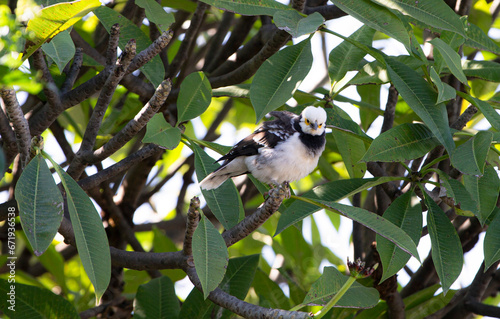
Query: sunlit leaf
156	14
160	132
61	49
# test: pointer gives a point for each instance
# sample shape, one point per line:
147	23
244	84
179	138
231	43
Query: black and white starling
280	151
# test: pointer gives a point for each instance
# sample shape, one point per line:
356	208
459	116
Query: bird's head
313	120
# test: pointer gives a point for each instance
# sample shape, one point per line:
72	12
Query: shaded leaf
54	19
451	58
156	14
157	299
465	205
160	132
60	49
40	204
476	38
408	218
297	25
210	255
352	150
470	157
488	111
422	100
249	7
195	96
484	191
491	246
447	253
330	282
445	91
486	70
269	291
279	77
400	143
33	302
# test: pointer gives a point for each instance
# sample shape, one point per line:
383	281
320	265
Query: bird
280	151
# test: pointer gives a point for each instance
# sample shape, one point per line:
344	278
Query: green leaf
238	278
447	253
484	190
470	157
437	14
332	192
26	301
424	303
465	205
90	236
422	99
60	49
249	7
476	38
224	201
156	14
297	25
279	77
157	299
491	246
210	255
369	106
195	96
54	19
352	150
160	132
340	120
451	58
403	142
408	218
486	70
330	282
488	111
154	69
376	17
25	81
40	203
196	307
269	291
346	56
445	91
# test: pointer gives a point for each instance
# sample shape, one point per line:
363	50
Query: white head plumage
313	120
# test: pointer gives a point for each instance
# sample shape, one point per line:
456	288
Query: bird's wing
268	135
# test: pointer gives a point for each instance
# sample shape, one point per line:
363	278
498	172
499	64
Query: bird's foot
286	188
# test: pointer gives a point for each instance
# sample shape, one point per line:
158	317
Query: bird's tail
230	169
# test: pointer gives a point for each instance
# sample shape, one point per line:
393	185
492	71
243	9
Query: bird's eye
307	122
321	125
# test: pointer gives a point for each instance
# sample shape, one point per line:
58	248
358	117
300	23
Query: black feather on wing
268	135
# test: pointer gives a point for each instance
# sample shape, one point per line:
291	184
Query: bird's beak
314	126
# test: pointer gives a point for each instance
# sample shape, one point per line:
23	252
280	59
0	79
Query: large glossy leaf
90	236
279	77
447	253
154	69
330	282
224	201
157	299
422	99
403	142
431	12
33	302
332	191
60	49
470	157
40	204
210	255
484	190
194	97
451	58
160	132
249	7
491	246
346	56
376	17
372	221
156	14
409	218
296	24
54	19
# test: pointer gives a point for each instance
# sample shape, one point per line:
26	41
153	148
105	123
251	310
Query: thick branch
193	217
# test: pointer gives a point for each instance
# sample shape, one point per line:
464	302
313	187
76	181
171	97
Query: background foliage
131	99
